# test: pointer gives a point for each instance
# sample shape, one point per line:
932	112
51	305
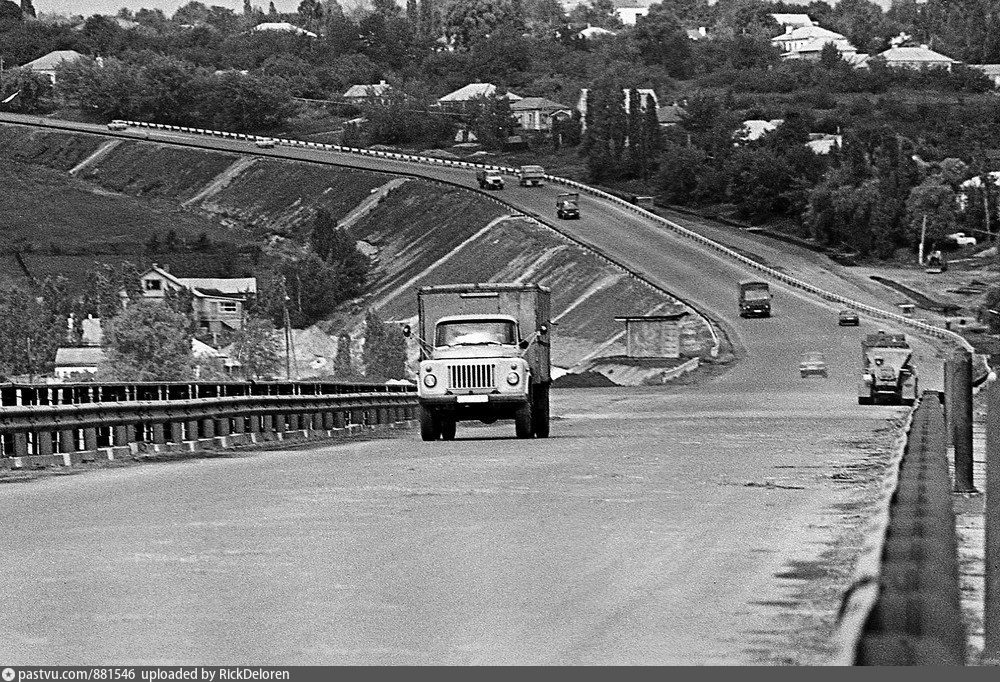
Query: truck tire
447	426
430	426
522	421
540	409
864	400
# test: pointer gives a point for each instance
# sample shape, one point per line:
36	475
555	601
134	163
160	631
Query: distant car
813	364
264	142
961	239
117	125
848	318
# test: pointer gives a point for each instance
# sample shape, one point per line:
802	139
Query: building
754	129
793	39
669	115
915	58
47	65
991	71
283	26
74	364
792	21
358	94
218	303
627	14
653	336
467	93
823	143
646	97
539	113
700	33
595	33
812	50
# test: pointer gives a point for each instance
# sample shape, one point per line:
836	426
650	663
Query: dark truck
484	355
755	299
568	206
887	373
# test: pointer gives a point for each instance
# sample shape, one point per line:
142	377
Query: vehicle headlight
513	378
430	381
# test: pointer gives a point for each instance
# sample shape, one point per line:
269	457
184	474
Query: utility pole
923	235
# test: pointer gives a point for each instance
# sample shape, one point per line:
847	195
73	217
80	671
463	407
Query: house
754	129
467	93
539	113
795	38
915	58
283	26
700	33
991	71
628	13
78	363
669	115
359	94
812	49
792	21
47	64
823	143
218	303
595	32
646	97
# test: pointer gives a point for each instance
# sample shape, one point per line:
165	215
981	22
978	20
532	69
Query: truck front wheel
540	409
430	425
522	421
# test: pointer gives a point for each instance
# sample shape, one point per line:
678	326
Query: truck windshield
756	295
475	333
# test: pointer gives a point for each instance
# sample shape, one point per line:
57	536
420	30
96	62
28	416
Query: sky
89	7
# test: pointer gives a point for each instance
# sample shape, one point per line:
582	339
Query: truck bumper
495	406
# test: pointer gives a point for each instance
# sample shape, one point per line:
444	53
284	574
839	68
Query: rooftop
473	90
53	59
915	54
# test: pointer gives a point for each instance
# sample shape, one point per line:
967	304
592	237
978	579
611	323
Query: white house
538	113
595	32
628	14
283	26
358	94
795	38
915	58
47	64
812	49
467	93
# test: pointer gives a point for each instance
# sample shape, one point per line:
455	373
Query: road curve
657	526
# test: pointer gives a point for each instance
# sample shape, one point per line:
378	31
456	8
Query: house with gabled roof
472	91
539	113
218	303
359	94
915	58
283	27
46	65
796	38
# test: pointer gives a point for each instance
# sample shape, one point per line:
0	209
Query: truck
568	206
489	179
484	355
531	176
887	373
755	299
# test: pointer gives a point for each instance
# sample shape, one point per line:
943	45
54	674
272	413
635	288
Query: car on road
264	142
848	318
813	364
961	239
117	125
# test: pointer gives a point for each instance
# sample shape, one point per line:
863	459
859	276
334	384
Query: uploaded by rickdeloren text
150	674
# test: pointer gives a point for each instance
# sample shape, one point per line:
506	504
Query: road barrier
44	425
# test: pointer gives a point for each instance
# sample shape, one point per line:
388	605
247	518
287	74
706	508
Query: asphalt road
711	523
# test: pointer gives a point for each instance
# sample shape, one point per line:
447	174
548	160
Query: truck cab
531	176
489	179
568	206
887	373
755	299
484	355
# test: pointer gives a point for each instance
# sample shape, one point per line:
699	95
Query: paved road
705	524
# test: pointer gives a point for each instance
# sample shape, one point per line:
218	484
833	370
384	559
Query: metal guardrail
77	422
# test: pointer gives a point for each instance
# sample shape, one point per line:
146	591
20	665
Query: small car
117	125
813	364
848	318
961	239
264	142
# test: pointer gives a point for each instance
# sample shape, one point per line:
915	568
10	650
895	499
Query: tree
10	13
149	341
338	248
343	366
829	56
469	21
934	202
28	9
100	294
32	90
680	167
271	10
28	335
257	350
663	41
384	354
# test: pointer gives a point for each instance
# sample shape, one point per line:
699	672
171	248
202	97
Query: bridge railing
65	424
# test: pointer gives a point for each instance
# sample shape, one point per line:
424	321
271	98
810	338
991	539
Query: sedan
264	142
848	318
813	364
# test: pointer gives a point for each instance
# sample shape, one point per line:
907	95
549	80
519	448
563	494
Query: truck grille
472	376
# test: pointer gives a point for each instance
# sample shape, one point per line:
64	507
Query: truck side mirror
406	330
544	329
523	344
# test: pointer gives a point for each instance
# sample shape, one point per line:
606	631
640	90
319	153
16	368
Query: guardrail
870	311
76	423
915	617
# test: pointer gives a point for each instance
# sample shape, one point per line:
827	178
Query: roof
915	54
200	349
991	70
79	357
792	19
669	114
209	285
473	90
756	128
825	144
596	32
283	26
374	89
537	103
808	32
53	59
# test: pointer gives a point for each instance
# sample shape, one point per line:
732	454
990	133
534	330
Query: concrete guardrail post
191	429
20	445
961	404
222	426
294	422
208	428
239	424
991	523
280	425
159	433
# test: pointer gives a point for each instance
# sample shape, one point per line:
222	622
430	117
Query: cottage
647	98
218	303
47	65
358	94
539	113
915	58
472	91
794	39
283	27
812	49
78	363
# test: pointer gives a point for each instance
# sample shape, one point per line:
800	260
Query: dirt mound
583	380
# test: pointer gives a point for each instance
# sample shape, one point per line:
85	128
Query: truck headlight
430	381
513	378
